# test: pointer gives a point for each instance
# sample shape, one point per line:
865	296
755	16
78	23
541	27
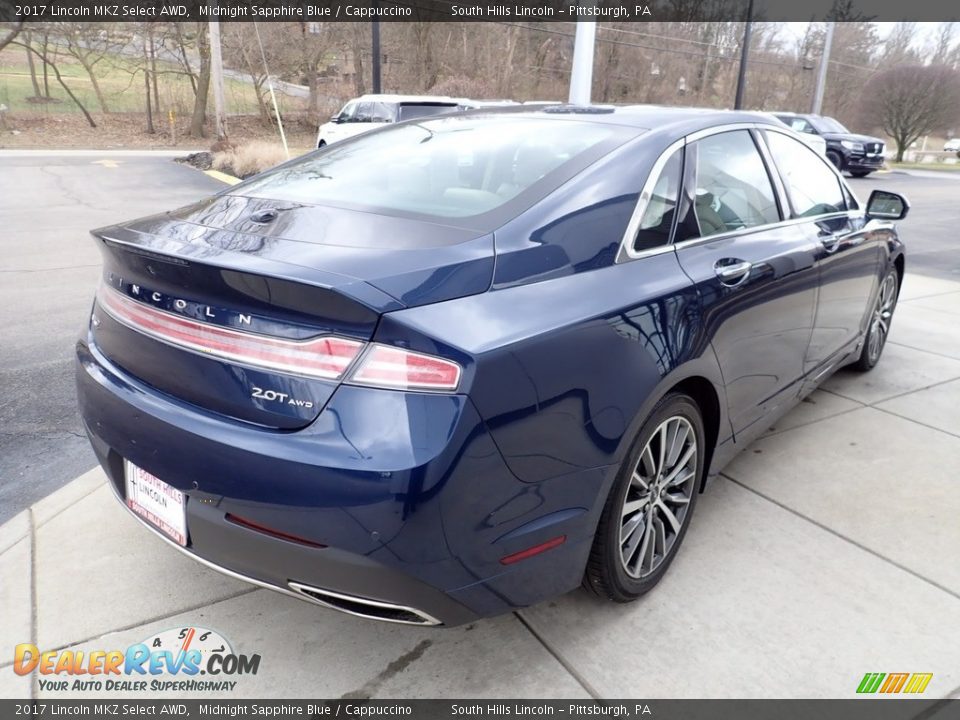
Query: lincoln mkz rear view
463	364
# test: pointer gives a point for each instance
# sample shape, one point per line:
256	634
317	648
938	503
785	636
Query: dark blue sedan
460	365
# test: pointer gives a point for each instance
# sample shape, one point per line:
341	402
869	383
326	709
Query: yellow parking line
223	177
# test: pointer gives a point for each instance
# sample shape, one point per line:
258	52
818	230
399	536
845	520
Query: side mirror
886	205
336	119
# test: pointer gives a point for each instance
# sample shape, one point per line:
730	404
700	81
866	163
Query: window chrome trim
626	252
692	242
773	174
707	132
795	136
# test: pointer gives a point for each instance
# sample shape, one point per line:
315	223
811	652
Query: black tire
835	158
860	173
881	317
606	573
321	144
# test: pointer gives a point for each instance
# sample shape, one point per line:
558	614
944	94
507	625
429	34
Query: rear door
847	259
755	274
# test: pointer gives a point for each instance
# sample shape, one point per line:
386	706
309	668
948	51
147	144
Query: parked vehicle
370	112
815	141
859	155
952	145
462	365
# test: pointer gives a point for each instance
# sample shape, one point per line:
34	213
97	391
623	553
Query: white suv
370	112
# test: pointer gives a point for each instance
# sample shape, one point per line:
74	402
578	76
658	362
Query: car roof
681	120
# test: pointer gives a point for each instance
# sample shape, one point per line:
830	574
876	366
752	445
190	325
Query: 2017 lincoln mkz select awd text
460	365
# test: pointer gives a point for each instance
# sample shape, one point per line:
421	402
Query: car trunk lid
181	290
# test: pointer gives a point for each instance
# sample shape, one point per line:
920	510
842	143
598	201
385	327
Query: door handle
732	272
830	242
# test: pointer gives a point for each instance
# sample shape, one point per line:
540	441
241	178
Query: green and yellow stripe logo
890	683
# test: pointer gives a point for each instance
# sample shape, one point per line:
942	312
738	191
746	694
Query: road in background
49	269
930	230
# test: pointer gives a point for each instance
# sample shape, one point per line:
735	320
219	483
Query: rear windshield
412	111
452	167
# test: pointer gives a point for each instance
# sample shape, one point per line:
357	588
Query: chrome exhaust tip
364	607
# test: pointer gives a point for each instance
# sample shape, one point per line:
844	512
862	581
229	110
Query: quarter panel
561	369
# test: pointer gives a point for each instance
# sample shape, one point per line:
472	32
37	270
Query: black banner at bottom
875	708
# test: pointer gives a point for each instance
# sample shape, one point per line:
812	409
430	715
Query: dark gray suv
856	154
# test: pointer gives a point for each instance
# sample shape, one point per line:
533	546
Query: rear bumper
406	492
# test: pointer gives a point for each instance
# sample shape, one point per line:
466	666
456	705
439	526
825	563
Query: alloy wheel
882	315
658	499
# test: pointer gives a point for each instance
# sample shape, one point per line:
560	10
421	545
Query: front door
847	258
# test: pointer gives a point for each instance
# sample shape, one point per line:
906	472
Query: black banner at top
619	709
43	11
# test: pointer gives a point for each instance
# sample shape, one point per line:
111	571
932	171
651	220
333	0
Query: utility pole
216	75
744	54
375	65
581	74
822	74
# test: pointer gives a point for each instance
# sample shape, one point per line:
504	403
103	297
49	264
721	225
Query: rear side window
374	112
658	215
799	124
732	188
812	186
449	167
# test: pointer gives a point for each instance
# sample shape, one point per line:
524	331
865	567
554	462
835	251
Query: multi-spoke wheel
650	506
880	318
657	499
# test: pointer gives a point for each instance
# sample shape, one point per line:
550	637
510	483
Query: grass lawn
123	90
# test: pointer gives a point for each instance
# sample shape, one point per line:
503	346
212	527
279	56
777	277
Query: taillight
391	367
324	357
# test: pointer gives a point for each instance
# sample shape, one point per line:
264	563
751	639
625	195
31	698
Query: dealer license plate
159	504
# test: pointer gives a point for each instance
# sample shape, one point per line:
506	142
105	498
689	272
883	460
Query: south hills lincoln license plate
159	504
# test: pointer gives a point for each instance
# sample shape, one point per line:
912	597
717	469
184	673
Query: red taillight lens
533	551
393	367
325	357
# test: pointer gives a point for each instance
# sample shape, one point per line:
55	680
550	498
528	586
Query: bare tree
48	62
312	47
941	48
910	101
240	51
11	34
898	48
203	83
146	81
28	45
89	44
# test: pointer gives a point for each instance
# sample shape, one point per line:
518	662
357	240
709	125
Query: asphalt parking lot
828	548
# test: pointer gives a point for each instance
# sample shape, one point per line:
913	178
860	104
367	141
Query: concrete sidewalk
829	549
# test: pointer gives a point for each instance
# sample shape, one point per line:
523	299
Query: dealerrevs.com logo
190	659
